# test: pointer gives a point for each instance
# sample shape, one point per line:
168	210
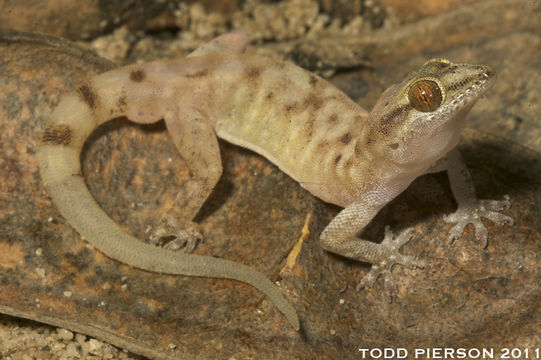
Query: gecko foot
175	235
472	214
390	247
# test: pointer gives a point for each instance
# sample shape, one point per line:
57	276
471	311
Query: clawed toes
369	279
176	237
395	243
456	231
411	262
497	205
499	218
390	246
391	289
183	242
473	213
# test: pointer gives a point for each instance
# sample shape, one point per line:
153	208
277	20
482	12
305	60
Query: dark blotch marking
283	85
337	159
291	108
449	70
197	74
137	75
253	73
390	120
322	146
121	102
359	149
313	101
88	95
394	146
332	119
346	138
309	128
57	135
121	105
269	96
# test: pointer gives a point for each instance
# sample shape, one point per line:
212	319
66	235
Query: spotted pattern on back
137	75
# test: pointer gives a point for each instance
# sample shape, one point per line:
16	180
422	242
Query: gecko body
312	131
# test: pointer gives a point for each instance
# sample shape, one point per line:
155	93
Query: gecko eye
425	95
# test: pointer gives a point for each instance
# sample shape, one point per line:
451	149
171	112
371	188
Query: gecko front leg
470	208
340	237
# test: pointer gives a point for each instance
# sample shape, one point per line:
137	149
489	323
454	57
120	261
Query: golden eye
425	95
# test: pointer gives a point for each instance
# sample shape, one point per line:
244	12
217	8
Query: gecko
312	131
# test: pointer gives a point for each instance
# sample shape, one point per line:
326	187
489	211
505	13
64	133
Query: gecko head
420	119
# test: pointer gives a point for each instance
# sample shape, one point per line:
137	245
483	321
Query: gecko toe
369	279
184	241
175	236
473	213
391	246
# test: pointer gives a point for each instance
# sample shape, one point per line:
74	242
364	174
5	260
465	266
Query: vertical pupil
426	97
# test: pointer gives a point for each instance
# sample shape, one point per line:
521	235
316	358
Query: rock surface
465	297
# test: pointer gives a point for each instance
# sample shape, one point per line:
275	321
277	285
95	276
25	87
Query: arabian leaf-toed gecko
308	128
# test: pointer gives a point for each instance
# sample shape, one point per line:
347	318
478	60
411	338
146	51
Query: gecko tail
60	169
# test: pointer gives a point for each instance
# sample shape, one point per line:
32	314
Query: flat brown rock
466	296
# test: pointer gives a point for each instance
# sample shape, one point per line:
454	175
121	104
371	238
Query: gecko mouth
471	87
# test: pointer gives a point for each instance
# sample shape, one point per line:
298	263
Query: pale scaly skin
308	128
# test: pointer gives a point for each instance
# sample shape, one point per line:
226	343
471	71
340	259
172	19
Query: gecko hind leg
194	137
176	230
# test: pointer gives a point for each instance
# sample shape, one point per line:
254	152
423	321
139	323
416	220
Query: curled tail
71	123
